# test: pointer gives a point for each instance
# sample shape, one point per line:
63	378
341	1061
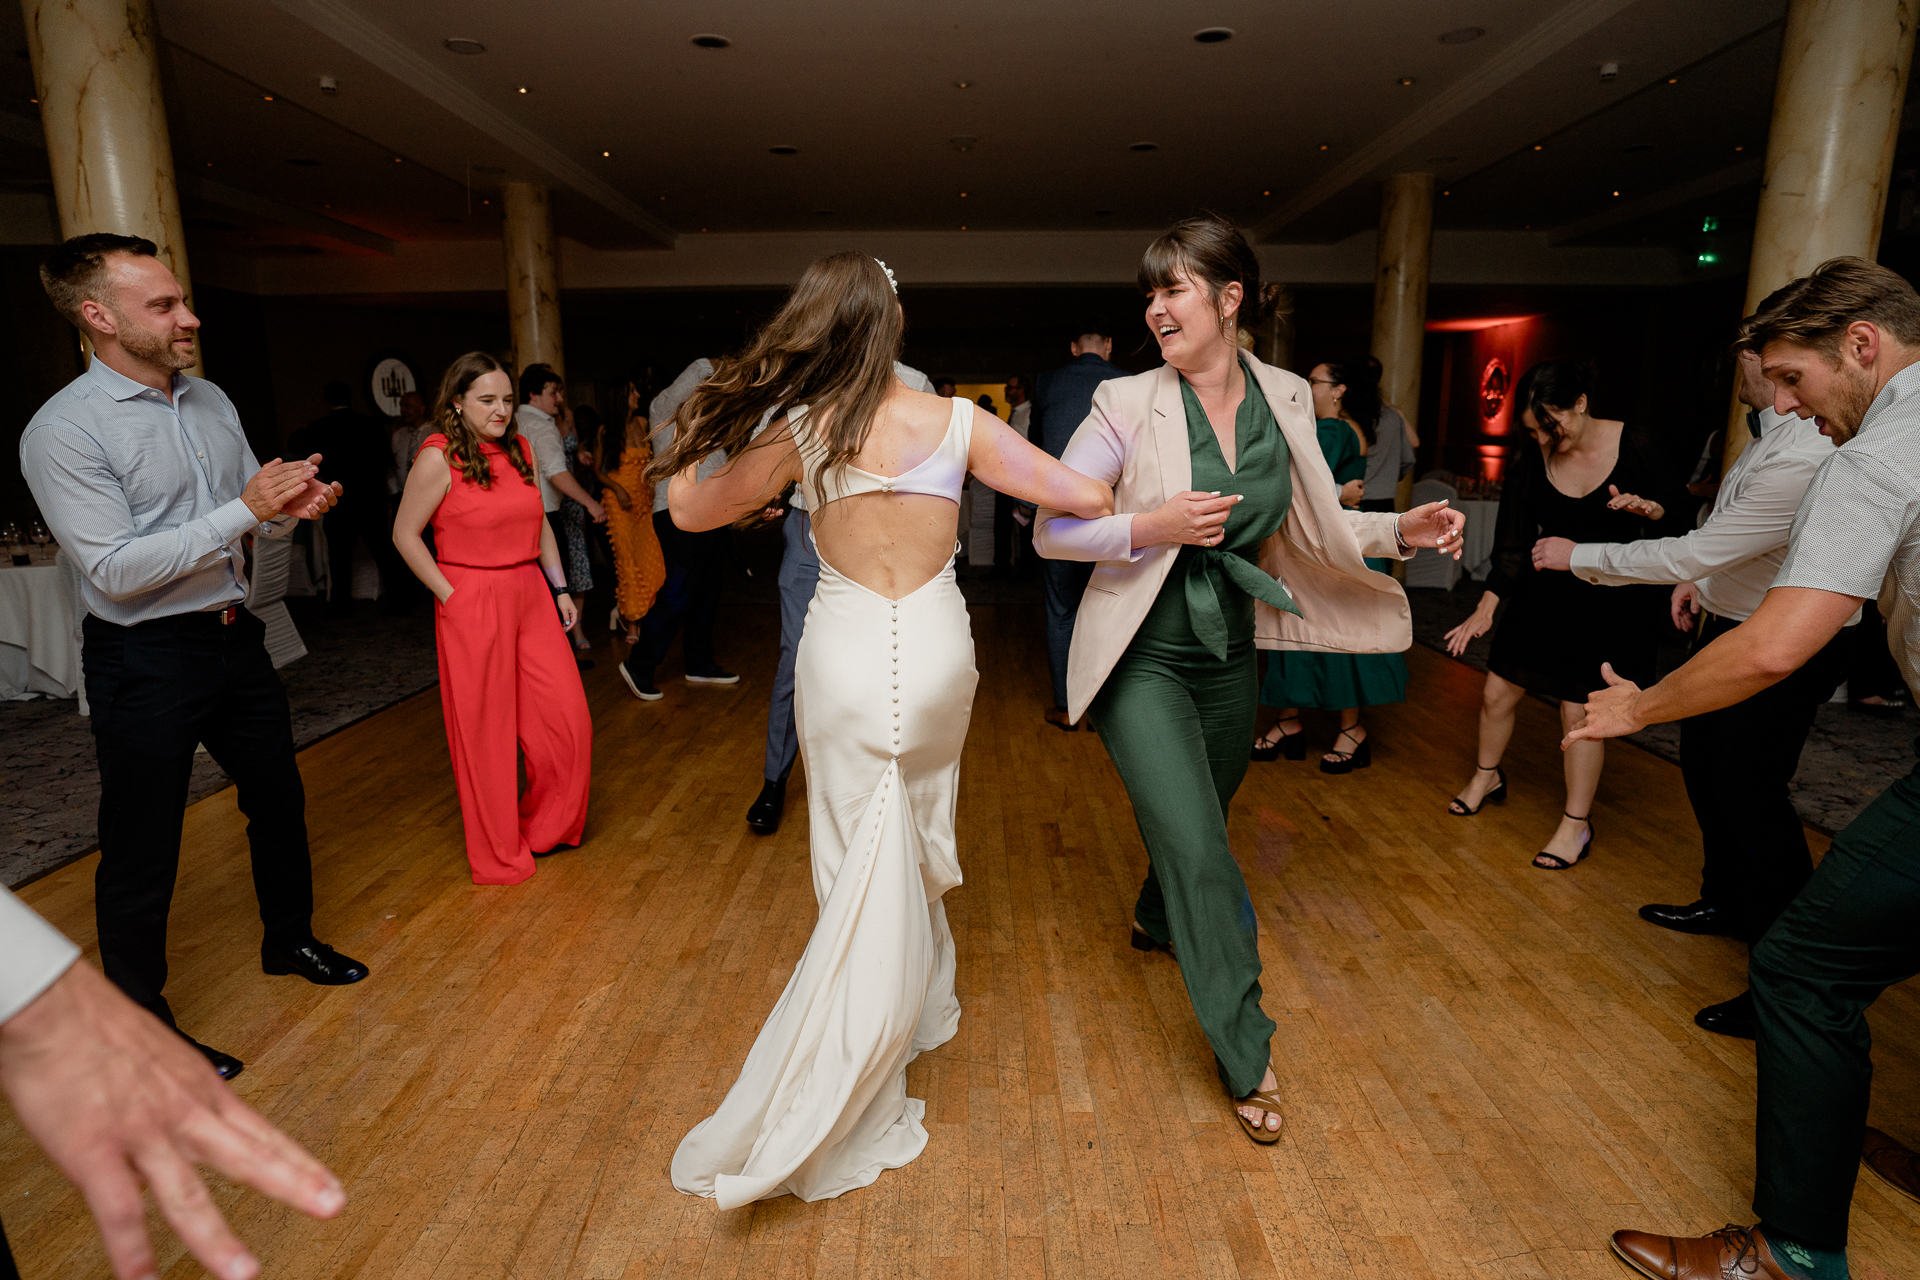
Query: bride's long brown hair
831	348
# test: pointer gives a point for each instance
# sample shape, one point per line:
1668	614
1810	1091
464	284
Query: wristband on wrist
556	578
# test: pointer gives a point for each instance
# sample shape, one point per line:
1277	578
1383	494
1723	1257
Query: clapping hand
1434	525
1553	553
315	498
1612	712
1645	507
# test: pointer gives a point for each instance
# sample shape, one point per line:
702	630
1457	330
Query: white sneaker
644	692
718	677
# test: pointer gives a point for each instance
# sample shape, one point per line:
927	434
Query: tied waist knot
1205	607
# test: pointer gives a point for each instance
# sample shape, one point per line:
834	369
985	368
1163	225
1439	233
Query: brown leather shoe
1057	717
1897	1166
1731	1253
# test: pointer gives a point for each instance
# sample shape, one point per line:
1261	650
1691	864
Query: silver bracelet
1399	541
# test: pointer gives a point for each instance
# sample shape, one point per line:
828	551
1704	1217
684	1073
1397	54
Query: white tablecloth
40	632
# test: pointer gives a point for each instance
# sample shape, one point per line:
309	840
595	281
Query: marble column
533	278
1402	257
1836	116
106	126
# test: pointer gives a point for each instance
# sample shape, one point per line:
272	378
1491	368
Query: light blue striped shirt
145	494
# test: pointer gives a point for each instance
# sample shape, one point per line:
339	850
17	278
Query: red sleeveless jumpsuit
507	676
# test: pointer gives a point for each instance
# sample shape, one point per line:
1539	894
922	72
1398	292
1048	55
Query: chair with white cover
266	599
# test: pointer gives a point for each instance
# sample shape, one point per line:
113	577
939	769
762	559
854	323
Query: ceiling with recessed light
670	119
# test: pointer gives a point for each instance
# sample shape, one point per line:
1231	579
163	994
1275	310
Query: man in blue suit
1062	398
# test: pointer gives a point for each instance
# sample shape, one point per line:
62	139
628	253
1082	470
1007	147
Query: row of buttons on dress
896	679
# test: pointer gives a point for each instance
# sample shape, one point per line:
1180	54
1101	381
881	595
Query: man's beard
1852	395
152	348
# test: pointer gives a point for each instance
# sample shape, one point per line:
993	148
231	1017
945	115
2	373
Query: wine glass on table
16	542
39	535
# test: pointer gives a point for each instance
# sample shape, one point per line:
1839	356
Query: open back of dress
883	695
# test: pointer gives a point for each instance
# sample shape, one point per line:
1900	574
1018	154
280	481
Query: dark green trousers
1849	936
1178	732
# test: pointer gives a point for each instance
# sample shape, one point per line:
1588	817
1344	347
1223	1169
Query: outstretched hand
1612	712
118	1100
1434	525
1639	506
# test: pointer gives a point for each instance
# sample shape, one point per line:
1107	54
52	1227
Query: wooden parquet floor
1488	1068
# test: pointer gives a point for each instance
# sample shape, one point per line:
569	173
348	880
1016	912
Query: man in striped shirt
1841	346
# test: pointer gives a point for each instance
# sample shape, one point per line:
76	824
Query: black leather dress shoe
317	962
225	1063
1696	917
763	815
1730	1017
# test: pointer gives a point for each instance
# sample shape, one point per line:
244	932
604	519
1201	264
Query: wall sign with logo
1494	385
392	378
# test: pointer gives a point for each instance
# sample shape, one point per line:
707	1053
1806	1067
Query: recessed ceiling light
963	227
1539	146
1463	35
606	155
521	89
266	97
1739	148
1326	146
1144	146
34	101
1616	193
1213	35
459	44
783	150
1673	79
398	160
963	195
703	228
1266	193
1407	82
1446	193
963	84
707	40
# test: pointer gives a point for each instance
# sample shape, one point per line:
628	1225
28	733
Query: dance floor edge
1488	1067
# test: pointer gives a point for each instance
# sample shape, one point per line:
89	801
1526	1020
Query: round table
39	631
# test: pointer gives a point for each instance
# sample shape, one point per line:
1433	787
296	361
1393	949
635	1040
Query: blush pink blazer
1135	439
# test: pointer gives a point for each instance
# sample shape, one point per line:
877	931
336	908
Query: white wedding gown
883	693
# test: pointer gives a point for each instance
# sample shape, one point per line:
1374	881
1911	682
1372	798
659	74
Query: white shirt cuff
1585	560
33	954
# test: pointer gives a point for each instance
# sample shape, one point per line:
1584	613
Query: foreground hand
1193	518
569	611
1612	712
1639	506
596	513
1685	605
314	501
118	1100
275	485
1435	525
1553	553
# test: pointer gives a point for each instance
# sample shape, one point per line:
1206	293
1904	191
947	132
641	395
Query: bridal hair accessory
891	282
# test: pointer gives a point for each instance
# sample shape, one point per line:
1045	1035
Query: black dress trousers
158	690
1737	762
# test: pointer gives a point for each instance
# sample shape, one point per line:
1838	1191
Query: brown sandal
1267	1102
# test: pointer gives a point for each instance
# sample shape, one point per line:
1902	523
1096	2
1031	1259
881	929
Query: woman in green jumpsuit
1211	456
1346	398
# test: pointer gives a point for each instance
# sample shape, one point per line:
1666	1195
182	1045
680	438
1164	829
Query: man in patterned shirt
1841	346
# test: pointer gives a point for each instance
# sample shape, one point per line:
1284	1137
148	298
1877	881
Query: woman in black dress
1592	480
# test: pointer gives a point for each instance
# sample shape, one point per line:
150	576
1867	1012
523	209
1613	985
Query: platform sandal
1291	745
1458	807
1554	862
1347	761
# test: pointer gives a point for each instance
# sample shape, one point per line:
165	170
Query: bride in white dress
883	691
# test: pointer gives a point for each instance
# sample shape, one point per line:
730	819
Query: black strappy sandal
1291	745
1554	862
1347	761
1458	807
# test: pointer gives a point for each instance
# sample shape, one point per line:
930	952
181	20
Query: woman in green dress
1346	401
1220	494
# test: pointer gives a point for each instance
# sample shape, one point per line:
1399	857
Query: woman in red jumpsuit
507	673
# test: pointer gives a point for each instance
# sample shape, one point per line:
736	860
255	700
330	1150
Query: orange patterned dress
637	561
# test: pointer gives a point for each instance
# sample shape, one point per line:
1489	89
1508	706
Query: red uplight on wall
1475	325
